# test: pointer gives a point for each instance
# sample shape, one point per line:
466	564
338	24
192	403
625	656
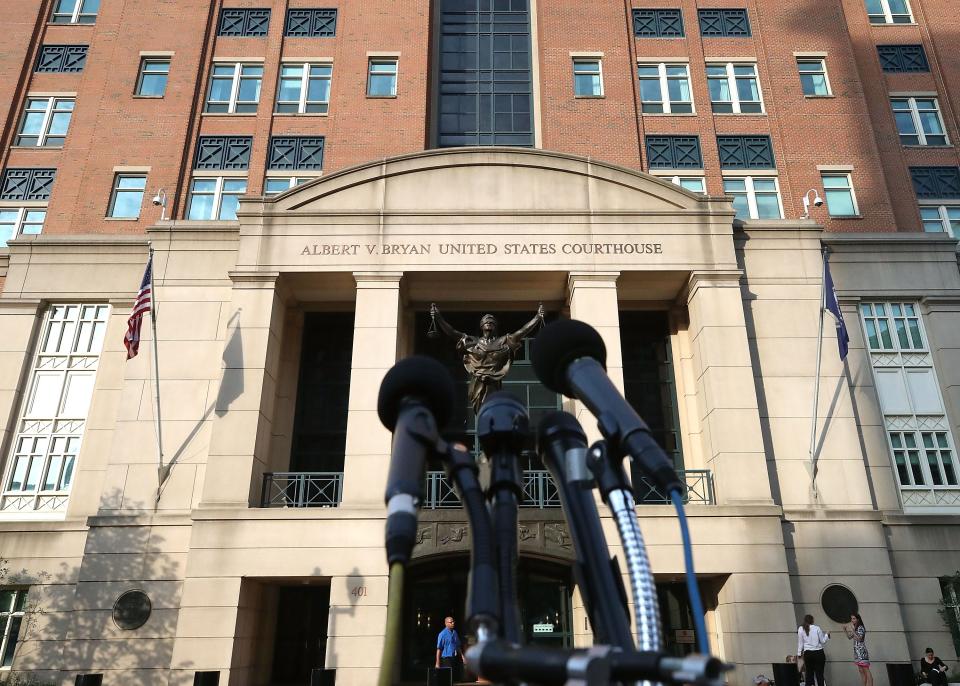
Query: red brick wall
112	128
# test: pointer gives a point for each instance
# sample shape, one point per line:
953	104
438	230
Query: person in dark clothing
932	669
450	649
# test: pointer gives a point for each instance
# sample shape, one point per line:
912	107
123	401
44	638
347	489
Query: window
918	121
62	58
20	221
838	190
127	196
234	88
274	185
674	152
941	218
13	603
813	76
45	122
657	23
696	184
746	152
223	152
882	319
927	462
754	197
57	397
75	11
734	88
237	21
936	182
26	183
152	78
665	88
727	22
296	153
304	88
215	197
587	79
382	78
889	11
902	58
311	23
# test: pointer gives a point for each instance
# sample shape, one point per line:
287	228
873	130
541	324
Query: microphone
416	396
569	357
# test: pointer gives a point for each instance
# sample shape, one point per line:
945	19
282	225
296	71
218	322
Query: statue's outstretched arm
444	324
530	326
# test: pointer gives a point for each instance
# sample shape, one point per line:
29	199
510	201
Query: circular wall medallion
839	603
132	609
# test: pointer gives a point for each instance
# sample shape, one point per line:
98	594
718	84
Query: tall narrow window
889	11
127	196
75	11
813	76
918	121
734	88
838	189
304	88
587	78
152	80
665	88
57	398
382	78
45	122
13	603
754	197
234	88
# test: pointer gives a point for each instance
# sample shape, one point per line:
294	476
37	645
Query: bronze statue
486	357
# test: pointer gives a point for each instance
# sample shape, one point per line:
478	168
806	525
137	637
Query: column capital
727	278
599	278
372	279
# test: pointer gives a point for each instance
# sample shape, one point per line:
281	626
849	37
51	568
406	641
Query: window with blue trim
730	23
936	182
658	23
746	152
903	58
674	152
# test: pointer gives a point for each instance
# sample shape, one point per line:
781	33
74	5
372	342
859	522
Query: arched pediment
490	181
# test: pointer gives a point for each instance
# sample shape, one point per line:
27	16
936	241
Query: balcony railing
302	489
697	489
933	500
539	491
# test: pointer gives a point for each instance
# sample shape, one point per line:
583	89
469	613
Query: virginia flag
832	306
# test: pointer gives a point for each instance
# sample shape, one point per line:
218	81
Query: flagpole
816	381
156	376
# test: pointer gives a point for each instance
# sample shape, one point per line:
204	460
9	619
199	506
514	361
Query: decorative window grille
658	23
223	152
746	152
936	182
311	23
50	429
62	58
902	58
296	153
238	21
724	22
674	152
26	183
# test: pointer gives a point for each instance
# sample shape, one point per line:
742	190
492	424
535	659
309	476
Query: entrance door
301	637
438	589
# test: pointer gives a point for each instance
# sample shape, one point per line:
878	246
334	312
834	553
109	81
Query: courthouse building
313	175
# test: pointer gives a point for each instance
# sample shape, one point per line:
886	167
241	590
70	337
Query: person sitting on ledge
932	669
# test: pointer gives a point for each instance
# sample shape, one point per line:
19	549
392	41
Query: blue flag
832	306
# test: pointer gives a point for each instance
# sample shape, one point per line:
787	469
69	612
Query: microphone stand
502	426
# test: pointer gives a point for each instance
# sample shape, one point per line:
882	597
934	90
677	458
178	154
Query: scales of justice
486	357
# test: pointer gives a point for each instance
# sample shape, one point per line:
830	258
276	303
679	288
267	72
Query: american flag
142	305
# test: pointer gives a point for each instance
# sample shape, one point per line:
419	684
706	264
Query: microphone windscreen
560	343
558	423
421	377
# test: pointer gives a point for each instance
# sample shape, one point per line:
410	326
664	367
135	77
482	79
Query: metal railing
697	489
539	491
302	489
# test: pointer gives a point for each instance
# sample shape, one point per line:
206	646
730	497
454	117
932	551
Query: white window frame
888	14
9	615
232	103
395	61
917	122
20	221
116	190
74	15
943	213
305	87
675	178
752	194
293	180
822	61
849	187
69	349
665	100
217	194
732	86
48	112
578	71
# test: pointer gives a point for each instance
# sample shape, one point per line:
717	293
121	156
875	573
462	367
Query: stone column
375	338
593	299
729	418
243	408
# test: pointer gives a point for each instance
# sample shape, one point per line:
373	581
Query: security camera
157	200
160	200
817	202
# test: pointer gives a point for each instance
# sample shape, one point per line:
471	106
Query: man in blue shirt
449	652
